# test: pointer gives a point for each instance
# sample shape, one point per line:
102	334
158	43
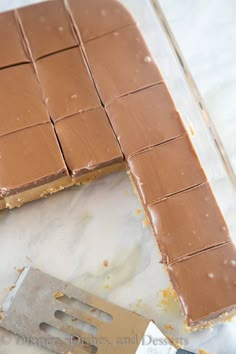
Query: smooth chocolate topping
94	18
29	157
186	220
21	100
206	283
88	141
144	119
47	27
187	223
12	47
66	84
121	63
166	169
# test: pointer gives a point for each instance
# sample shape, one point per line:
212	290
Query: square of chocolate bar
166	169
47	27
21	99
12	46
149	114
31	165
187	223
205	283
93	18
121	63
66	83
88	142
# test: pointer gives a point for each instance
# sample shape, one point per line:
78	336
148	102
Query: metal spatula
67	320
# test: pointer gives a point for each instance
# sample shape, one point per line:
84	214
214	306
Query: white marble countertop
206	34
71	234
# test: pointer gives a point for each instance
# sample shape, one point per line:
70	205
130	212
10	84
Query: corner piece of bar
47	27
31	165
166	169
66	84
95	18
187	223
21	99
205	285
12	47
89	145
123	58
144	119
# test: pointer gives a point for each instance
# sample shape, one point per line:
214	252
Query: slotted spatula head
67	320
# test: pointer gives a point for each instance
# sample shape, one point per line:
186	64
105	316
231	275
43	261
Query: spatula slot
76	322
63	337
59	336
83	307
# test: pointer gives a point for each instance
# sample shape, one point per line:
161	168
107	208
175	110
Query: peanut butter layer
29	158
187	223
21	99
12	46
2	204
149	114
93	18
46	27
166	169
98	173
88	142
66	84
205	283
121	63
37	192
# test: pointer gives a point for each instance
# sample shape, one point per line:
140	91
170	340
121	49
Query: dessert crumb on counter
202	351
169	300
28	259
168	327
11	288
58	294
146	221
20	270
168	295
138	212
105	263
192	130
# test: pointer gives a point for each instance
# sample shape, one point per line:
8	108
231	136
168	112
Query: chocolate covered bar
66	84
166	169
31	165
187	223
21	100
123	59
93	19
89	145
46	27
149	114
205	284
81	94
13	50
